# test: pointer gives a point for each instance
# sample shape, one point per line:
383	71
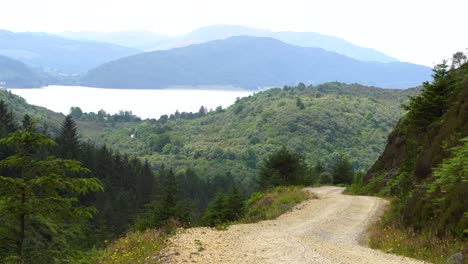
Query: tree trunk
21	234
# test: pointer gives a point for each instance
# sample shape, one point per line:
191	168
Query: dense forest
319	122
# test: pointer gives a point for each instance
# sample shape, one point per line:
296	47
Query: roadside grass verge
273	203
134	247
424	246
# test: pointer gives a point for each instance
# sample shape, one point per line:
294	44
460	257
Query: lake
143	103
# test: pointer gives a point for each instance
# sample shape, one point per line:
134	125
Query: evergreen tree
342	170
282	168
69	144
7	120
235	204
216	212
7	126
27	120
432	102
39	201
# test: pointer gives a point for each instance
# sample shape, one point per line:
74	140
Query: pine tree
282	168
342	170
69	144
39	202
7	120
235	204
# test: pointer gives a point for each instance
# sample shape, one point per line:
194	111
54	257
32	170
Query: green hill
319	122
16	74
46	118
250	62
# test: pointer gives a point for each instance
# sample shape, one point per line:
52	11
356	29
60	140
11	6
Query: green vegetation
424	167
134	247
282	168
337	119
197	168
46	201
39	203
273	203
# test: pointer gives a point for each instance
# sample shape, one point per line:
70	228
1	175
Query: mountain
143	40
56	53
150	41
249	62
16	74
302	39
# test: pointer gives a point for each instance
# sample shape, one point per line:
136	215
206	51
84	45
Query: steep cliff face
425	142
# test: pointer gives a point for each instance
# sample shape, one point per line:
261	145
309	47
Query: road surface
330	229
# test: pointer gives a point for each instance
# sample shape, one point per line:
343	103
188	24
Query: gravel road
330	229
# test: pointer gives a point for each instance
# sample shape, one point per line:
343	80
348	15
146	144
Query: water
143	103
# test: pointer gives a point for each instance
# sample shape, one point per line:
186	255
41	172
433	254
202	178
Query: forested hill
14	73
250	62
424	164
320	122
46	119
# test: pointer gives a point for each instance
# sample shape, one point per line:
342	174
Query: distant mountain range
149	41
138	39
250	62
54	53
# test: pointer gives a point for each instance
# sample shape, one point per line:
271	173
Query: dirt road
327	230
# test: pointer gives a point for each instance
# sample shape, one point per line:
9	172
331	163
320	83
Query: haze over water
143	103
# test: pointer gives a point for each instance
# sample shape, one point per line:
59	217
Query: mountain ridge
150	41
250	62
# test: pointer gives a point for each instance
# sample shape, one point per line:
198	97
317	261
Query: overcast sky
418	31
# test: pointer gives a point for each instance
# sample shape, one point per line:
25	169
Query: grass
273	203
134	247
424	246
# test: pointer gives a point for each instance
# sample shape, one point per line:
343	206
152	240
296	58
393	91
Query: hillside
319	122
16	74
59	54
424	166
20	107
249	62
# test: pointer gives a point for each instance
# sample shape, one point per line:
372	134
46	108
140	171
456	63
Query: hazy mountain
143	40
151	41
250	62
303	39
53	52
16	74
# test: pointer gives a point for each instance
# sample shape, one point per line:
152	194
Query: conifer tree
342	170
7	120
39	201
69	144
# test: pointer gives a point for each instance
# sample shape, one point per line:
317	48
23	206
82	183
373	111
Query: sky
417	31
